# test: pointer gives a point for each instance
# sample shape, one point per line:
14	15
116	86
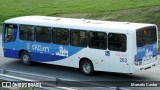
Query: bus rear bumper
144	67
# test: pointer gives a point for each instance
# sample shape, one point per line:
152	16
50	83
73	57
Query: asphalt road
152	74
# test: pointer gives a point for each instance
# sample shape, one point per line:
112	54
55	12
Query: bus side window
83	38
78	38
43	34
10	33
97	40
62	36
26	32
117	42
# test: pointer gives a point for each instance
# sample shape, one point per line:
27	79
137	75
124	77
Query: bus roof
83	24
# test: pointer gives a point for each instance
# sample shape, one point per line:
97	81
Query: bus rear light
136	63
136	60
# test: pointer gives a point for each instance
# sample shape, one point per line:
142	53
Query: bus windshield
146	36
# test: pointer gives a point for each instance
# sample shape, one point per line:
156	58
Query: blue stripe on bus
41	57
11	53
35	56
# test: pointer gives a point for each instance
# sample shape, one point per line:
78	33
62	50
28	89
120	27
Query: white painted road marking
18	78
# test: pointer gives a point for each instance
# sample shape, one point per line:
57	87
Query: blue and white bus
91	45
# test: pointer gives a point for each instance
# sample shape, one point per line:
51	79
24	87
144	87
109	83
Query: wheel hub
87	67
25	58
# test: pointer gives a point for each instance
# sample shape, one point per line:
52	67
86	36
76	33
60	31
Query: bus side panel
42	57
44	52
11	53
111	63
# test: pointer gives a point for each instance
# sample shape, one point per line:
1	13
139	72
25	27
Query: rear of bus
146	48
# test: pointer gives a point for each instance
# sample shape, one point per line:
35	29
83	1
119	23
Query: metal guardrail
53	81
5	71
4	75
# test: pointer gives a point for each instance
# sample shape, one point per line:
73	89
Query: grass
147	11
143	11
0	29
159	42
14	8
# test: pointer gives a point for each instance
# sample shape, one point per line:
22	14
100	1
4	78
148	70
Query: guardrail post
3	71
57	81
117	88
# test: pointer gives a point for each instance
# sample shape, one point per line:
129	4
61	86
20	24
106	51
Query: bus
91	45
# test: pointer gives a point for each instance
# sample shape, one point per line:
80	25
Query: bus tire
86	67
25	58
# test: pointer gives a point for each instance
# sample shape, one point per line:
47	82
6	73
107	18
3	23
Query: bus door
9	38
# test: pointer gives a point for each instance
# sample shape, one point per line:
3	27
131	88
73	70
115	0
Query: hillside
146	11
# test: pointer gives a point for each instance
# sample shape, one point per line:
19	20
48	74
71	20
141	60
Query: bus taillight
136	60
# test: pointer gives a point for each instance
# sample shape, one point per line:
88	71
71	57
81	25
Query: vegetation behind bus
0	28
116	10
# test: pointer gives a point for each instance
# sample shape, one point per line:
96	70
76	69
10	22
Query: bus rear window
146	36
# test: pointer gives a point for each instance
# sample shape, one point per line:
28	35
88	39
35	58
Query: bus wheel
25	58
86	67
